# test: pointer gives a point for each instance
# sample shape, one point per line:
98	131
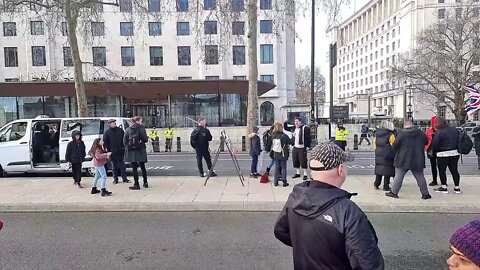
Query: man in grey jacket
324	227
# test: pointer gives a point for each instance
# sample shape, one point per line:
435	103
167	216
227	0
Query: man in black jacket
325	228
113	142
409	147
302	141
200	140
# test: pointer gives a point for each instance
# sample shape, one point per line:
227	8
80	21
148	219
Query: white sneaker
457	191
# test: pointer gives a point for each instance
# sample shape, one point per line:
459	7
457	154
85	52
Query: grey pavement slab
220	194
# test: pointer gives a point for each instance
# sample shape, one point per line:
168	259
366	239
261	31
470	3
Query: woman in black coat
255	150
384	155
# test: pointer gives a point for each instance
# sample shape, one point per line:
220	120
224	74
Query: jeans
452	164
253	167
280	171
119	169
272	162
203	154
135	166
433	164
77	172
400	175
100	173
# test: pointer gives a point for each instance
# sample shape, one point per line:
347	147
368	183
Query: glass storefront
182	111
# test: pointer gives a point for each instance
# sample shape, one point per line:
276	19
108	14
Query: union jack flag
473	102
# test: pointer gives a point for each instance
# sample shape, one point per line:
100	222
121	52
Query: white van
39	145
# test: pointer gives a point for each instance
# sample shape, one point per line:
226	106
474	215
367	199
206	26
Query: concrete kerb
226	207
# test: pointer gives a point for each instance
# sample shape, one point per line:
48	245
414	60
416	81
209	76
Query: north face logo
328	218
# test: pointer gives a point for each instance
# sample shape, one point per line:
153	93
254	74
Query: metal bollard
244	144
222	144
355	142
179	145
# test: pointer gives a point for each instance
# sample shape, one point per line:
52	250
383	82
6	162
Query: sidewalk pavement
220	194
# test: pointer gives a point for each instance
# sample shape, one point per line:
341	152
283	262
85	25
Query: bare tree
444	59
303	85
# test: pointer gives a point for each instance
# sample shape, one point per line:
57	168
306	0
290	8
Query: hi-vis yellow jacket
341	135
153	134
169	133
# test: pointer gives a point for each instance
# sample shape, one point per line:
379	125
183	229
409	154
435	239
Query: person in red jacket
430	153
1	225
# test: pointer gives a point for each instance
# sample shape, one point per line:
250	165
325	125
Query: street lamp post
313	122
410	105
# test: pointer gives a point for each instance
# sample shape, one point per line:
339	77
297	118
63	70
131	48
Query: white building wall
283	67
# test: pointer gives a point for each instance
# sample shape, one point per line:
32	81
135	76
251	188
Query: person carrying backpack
280	153
135	140
445	144
75	155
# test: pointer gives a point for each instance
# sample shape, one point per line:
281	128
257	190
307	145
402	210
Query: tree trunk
71	18
252	106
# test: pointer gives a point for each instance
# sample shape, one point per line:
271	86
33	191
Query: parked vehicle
39	145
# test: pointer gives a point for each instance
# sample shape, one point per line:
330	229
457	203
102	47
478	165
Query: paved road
212	240
185	164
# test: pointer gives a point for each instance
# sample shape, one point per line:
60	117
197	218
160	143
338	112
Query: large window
125	5
11	57
184	58
265	4
99	56
238	5
267	113
156	56
209	4
153	5
98	29
36	28
266	53
239	55
441	13
9	29
67	57
211	54
238	28
14	132
266	26
38	56
8	110
126	29
182	5
183	28
267	78
64	29
207	105
128	56
233	110
210	27
154	28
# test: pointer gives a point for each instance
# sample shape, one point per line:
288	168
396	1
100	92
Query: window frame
269	26
180	53
211	55
154	8
123	51
179	29
150	29
123	26
265	4
238	24
212	26
44	60
153	60
5	50
125	6
104	50
266	56
95	29
235	55
67	62
34	27
209	5
180	5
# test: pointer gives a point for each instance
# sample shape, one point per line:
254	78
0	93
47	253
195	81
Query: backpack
465	143
267	141
277	146
134	140
193	138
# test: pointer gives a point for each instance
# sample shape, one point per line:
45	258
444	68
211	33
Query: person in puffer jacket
327	230
100	157
255	150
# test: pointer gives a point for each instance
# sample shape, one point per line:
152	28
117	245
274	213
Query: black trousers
168	145
299	157
378	181
77	172
118	168
341	144
364	137
452	164
135	166
203	154
433	164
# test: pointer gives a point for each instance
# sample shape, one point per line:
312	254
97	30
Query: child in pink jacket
100	157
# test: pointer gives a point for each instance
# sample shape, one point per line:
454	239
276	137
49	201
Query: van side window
85	126
14	132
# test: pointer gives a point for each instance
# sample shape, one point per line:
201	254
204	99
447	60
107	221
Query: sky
322	40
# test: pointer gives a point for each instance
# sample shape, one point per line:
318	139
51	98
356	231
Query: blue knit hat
467	240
